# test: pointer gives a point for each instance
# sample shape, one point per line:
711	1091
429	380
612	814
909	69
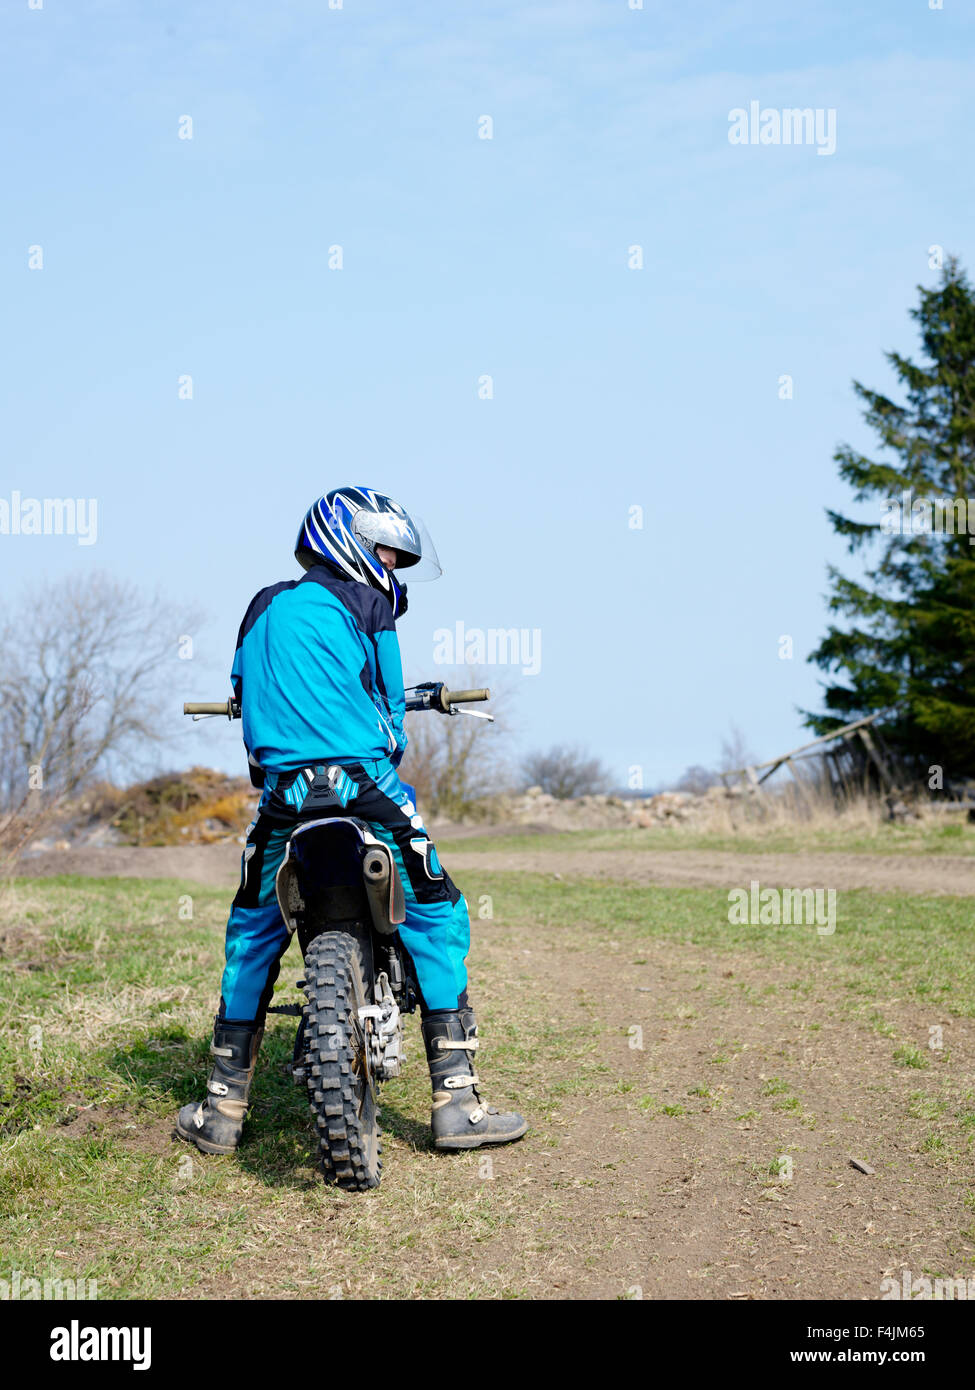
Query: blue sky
465	257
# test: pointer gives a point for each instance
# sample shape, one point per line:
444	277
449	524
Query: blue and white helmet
343	529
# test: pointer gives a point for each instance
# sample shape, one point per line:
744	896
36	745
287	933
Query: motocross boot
215	1125
460	1119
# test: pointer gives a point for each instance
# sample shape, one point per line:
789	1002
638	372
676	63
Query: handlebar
430	695
229	708
435	695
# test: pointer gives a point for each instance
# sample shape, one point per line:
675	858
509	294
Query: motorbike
339	889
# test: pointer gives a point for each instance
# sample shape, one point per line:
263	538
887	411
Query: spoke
360	1064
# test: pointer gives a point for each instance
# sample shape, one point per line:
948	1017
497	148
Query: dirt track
218	865
705	868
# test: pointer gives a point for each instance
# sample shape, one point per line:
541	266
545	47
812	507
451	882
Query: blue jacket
318	674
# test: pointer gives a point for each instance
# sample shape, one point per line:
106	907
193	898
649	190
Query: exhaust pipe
383	889
375	866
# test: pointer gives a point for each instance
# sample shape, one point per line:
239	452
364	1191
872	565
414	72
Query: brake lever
474	713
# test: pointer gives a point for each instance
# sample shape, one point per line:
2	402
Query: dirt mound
200	806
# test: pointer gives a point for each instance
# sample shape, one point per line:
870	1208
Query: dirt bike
338	887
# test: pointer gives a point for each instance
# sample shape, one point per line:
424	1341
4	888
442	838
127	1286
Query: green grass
880	837
108	998
108	992
918	948
910	1057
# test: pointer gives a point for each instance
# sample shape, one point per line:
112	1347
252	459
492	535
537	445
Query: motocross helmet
343	528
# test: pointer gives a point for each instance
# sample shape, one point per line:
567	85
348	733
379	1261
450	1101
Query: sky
485	352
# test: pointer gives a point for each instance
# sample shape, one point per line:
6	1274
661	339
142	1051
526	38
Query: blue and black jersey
317	673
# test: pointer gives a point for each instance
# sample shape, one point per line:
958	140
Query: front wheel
341	1089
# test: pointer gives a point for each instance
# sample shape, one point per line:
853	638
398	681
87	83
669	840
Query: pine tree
908	642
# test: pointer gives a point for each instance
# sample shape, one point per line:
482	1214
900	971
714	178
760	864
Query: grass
109	989
863	836
108	999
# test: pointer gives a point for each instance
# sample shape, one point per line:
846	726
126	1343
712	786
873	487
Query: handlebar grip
463	697
210	707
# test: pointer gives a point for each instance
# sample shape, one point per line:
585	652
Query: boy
317	674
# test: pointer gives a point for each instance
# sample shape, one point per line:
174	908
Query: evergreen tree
908	641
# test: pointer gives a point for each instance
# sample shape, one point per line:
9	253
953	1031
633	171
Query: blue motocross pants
436	931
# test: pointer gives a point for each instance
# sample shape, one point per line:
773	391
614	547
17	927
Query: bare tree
697	779
455	761
81	663
735	752
565	772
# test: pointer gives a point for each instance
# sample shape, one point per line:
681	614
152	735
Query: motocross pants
436	932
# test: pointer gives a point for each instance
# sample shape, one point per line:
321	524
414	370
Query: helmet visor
407	535
428	565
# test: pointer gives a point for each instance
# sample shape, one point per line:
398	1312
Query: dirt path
665	1082
218	865
650	1176
933	874
694	1208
